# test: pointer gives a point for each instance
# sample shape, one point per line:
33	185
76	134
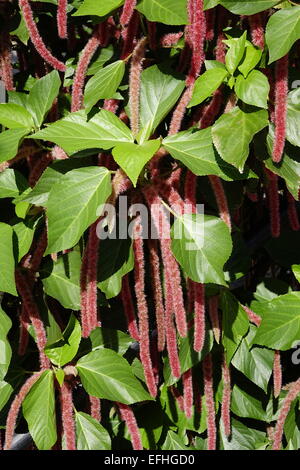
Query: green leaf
252	58
242	437
24	231
113	284
280	325
101	338
247	7
9	143
210	4
235	52
164	11
64	350
235	324
21	31
206	84
246	406
60	376
255	363
42	95
61	279
104	56
105	374
74	133
293	118
5	349
39	412
82	191
133	157
254	89
296	271
90	7
91	435
283	30
12	183
104	83
15	116
195	150
201	244
160	90
5	392
21	209
173	442
7	261
233	133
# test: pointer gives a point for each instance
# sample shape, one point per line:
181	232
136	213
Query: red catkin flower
253	317
257	30
62	18
134	84
170	39
66	403
179	112
188	398
292	213
92	268
83	295
36	38
199	319
127	11
40	166
127	415
178	397
5	61
95	408
170	331
277	374
213	304
15	408
129	34
210	403
210	16
197	37
139	265
226	397
158	295
221	199
24	334
294	391
24	289
129	308
281	90
274	203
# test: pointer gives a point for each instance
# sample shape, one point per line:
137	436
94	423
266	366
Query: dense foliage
188	109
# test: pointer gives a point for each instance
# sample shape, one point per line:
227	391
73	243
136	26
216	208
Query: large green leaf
160	90
280	325
42	95
254	89
235	324
74	133
106	374
255	363
113	284
65	349
248	7
5	349
61	279
90	7
283	30
206	84
7	261
15	116
91	435
5	392
9	143
242	437
165	11
39	412
173	442
108	338
12	183
252	57
133	157
233	133
235	52
201	244
104	83
245	405
82	191
195	150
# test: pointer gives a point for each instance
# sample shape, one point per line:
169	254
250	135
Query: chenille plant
174	330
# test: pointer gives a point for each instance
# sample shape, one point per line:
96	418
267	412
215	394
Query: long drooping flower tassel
85	324
277	374
92	268
5	61
36	38
15	408
281	91
134	84
157	292
127	415
170	331
221	199
24	289
127	11
257	30
199	320
213	304
274	202
253	317
95	404
168	40
139	265
226	397
62	18
66	403
294	391
188	398
197	34
129	34
129	308
210	403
